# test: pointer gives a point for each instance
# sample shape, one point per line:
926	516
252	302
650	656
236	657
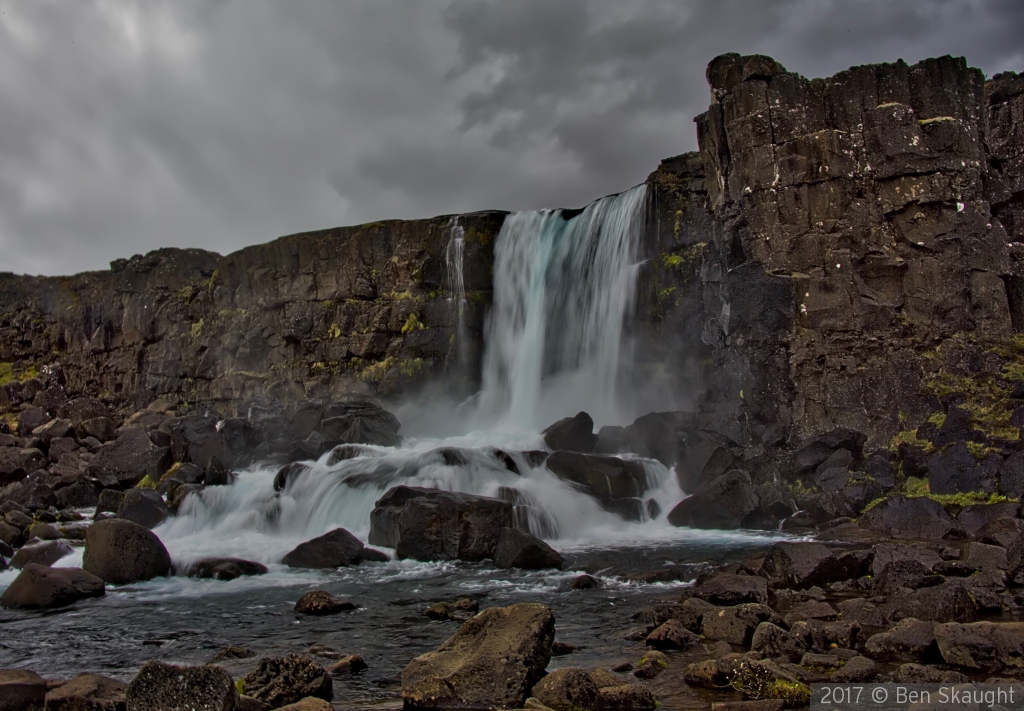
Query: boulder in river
321	602
21	690
225	568
88	692
571	434
430	524
44	553
279	681
518	549
39	586
334	549
360	423
122	552
617	483
143	506
722	502
567	689
168	687
513	645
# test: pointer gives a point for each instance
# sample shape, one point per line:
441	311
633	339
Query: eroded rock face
512	643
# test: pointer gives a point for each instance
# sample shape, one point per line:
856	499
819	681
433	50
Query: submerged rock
320	602
39	586
122	552
512	643
335	549
225	568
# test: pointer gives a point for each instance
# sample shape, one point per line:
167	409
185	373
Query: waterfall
455	283
564	282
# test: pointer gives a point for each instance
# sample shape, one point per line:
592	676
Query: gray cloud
128	125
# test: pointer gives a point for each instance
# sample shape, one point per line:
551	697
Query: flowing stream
563	287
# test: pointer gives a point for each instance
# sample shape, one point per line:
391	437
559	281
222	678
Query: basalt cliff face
836	251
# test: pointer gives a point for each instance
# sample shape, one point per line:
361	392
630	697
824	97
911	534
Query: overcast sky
128	125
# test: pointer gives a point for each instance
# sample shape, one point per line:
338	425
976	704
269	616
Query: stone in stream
21	690
512	643
519	549
571	434
430	524
672	635
225	568
143	506
349	664
360	423
335	549
460	610
722	502
321	602
617	483
122	552
168	687
279	681
39	586
567	689
88	692
44	553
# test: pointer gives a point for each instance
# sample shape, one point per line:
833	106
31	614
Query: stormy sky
129	125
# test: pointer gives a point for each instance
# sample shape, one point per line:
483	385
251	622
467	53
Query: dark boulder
54	429
571	434
512	643
195	439
360	423
913	518
626	697
982	646
79	495
39	586
44	553
335	549
33	494
143	506
287	473
802	565
168	687
908	640
21	690
16	464
102	428
736	624
773	641
611	439
672	634
657	435
130	458
88	692
974	517
567	689
817	449
217	474
280	681
616	483
460	610
321	602
954	469
81	409
1000	531
952	601
719	503
30	418
430	524
518	549
225	568
122	552
728	589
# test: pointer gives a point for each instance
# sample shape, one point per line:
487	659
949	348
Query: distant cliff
834	248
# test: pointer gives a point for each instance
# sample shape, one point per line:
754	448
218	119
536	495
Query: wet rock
360	423
279	681
167	687
919	674
460	610
217	474
429	524
130	458
39	586
736	625
45	553
512	643
335	549
195	439
567	689
182	493
585	582
288	473
109	501
626	697
913	518
320	602
719	503
225	568
651	665
858	669
21	690
229	653
801	565
672	635
982	646
728	589
617	483
571	434
900	575
88	692
143	506
122	552
773	641
518	549
349	664
861	611
810	610
907	640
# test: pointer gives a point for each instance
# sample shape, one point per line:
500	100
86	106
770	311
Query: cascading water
456	285
563	285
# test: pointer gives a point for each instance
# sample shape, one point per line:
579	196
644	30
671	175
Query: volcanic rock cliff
837	252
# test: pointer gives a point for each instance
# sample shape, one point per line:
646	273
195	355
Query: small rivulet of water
564	283
455	283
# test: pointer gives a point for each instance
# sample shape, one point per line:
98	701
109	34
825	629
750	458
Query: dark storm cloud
127	125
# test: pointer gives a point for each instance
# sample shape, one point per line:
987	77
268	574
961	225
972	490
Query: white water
562	290
456	285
